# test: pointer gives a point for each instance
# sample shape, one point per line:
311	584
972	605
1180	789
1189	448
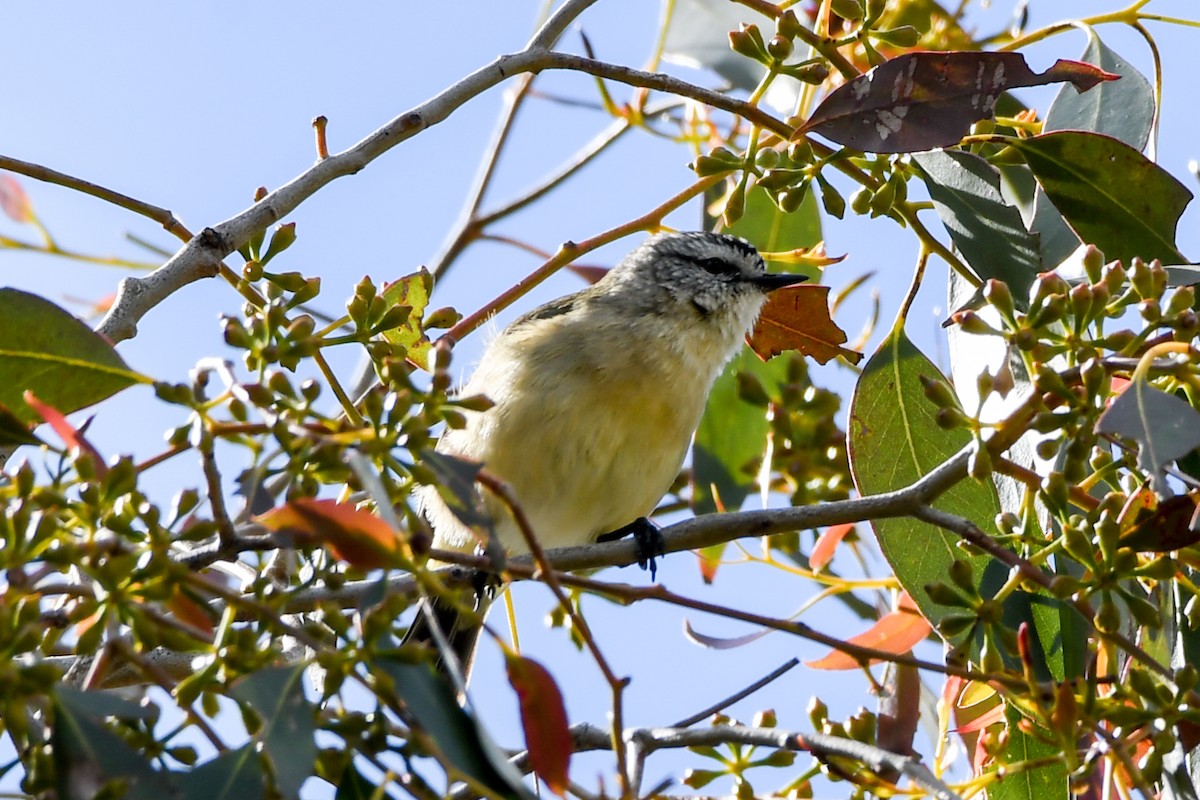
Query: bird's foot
649	542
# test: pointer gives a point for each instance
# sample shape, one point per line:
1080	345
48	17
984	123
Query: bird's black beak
770	281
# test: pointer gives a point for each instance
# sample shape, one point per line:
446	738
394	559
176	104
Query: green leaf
277	695
893	441
464	746
1045	783
1164	426
412	291
48	351
987	231
1121	109
232	776
353	786
770	229
87	755
1110	194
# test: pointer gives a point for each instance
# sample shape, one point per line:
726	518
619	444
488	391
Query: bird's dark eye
717	266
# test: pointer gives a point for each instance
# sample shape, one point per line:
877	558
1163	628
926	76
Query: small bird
596	397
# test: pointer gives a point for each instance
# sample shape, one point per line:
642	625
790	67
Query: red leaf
13	200
359	538
66	431
896	632
922	101
544	719
797	318
822	552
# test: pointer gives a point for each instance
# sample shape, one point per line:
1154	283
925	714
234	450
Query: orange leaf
188	610
545	721
66	431
359	538
797	318
822	552
895	632
13	200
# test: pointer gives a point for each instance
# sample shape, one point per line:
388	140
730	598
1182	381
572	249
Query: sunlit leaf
922	101
411	291
988	232
1109	193
544	719
289	722
1164	426
45	350
1122	109
894	440
896	632
797	318
357	537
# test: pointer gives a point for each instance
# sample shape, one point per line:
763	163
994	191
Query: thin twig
700	716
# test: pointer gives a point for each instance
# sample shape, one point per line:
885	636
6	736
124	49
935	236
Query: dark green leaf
13	431
1164	426
893	441
987	231
1110	194
1121	109
925	100
51	353
235	775
277	695
464	746
353	786
87	755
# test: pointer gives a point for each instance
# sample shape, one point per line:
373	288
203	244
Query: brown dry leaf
797	318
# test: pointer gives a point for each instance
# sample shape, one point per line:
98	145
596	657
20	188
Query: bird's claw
649	542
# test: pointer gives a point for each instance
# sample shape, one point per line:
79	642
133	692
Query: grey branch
589	737
200	257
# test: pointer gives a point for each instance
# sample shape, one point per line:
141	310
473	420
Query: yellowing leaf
896	632
411	291
797	318
357	537
544	719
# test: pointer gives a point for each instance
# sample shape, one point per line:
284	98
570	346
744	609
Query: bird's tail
460	633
